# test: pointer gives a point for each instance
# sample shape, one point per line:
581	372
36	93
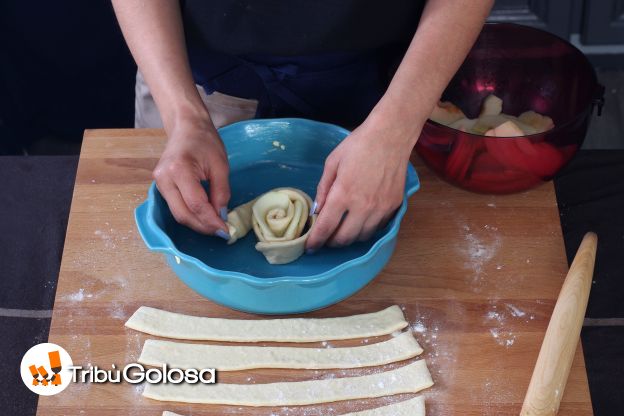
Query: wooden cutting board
476	275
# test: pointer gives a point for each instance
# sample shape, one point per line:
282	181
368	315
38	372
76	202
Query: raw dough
278	218
174	325
411	378
411	407
234	358
239	221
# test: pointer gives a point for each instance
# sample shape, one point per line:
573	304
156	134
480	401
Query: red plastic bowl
530	70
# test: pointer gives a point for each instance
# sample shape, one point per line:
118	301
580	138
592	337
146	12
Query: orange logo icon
53	376
55	366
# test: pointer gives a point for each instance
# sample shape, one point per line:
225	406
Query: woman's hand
362	184
195	153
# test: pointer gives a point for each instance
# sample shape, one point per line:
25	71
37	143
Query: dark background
64	67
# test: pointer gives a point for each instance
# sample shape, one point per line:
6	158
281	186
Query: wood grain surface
477	277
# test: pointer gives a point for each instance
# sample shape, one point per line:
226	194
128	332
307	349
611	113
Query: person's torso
298	27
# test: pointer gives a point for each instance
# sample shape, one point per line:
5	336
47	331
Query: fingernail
223	213
310	251
313	209
222	234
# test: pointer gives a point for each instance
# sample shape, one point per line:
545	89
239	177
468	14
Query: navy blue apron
339	88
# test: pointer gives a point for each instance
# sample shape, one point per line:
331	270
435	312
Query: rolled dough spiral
278	218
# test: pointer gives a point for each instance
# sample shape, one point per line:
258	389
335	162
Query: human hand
195	153
362	184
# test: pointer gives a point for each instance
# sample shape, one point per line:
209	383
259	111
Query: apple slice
507	129
540	122
485	123
464	124
492	106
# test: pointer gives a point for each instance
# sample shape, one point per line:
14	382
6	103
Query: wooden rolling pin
555	357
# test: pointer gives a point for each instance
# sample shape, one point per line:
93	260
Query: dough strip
174	325
411	378
234	358
411	407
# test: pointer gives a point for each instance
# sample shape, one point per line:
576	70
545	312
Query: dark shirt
298	27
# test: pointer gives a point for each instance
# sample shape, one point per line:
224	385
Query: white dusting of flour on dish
278	145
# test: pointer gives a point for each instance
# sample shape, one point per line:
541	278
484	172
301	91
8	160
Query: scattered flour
503	338
133	347
478	253
518	313
95	288
117	311
419	327
500	320
109	242
493	315
76	296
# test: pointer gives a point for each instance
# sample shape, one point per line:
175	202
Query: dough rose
278	218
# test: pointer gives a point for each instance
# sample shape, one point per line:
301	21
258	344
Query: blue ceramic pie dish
266	154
